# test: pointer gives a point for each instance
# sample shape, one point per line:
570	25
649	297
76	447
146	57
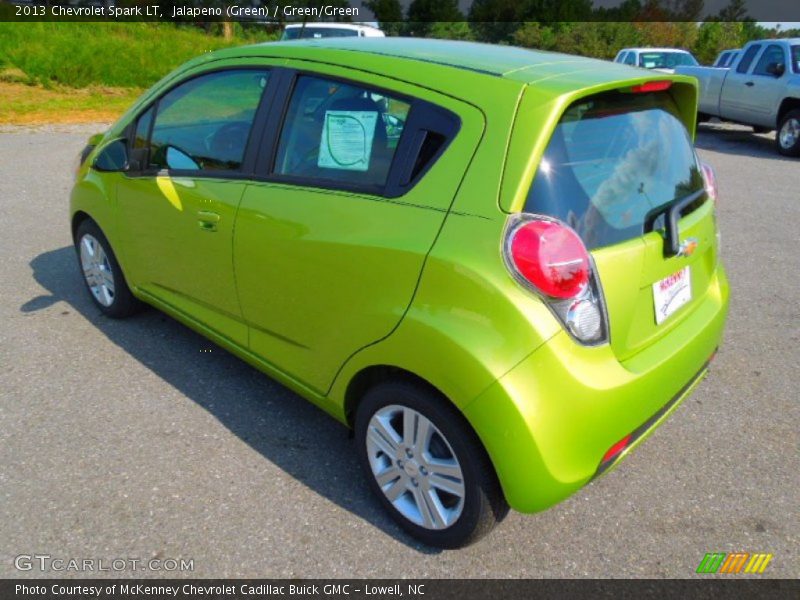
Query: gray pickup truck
761	88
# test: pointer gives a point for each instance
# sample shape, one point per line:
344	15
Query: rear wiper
672	213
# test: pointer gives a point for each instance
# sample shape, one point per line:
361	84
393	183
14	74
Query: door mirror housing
113	157
776	69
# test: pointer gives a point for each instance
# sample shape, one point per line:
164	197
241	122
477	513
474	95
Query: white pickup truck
761	88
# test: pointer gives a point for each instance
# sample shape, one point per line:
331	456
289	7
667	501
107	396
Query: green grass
127	55
22	104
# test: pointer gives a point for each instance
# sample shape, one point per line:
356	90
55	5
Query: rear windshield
665	60
296	33
612	160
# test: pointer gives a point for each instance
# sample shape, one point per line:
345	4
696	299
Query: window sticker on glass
347	137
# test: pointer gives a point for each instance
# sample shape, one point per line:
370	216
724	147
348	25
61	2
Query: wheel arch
78	218
369	377
788	104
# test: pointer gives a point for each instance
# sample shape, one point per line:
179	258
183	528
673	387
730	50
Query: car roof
458	69
490	59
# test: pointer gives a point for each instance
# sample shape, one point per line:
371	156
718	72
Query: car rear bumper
550	421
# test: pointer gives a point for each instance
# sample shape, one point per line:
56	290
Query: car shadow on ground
287	430
738	140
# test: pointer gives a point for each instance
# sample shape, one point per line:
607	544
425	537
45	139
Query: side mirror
112	158
776	69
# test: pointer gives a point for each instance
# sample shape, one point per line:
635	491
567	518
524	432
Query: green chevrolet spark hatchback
499	267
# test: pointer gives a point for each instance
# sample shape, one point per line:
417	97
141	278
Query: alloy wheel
415	467
97	270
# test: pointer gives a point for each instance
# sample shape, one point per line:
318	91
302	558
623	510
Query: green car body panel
368	285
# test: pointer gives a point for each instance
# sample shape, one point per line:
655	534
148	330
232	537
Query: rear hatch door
616	165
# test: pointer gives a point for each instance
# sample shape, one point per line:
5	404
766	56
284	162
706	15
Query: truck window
748	57
773	54
796	59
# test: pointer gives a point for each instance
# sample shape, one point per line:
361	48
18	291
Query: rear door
614	165
734	94
357	173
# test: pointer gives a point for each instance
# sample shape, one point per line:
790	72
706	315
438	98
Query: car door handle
207	221
749	84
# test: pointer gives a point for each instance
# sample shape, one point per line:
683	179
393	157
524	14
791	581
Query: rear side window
747	59
340	132
204	123
796	59
612	160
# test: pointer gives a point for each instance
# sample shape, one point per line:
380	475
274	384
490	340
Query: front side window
204	123
796	59
772	55
340	132
630	59
747	59
613	160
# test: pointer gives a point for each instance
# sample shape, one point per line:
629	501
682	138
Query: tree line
575	27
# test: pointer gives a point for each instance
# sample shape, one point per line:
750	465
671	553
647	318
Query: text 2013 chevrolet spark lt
500	267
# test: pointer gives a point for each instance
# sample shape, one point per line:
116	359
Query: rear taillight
710	181
549	258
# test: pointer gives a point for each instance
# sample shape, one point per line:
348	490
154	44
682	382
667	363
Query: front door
763	95
178	206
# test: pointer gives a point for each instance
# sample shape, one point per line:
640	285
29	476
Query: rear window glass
296	33
747	59
611	161
665	60
339	132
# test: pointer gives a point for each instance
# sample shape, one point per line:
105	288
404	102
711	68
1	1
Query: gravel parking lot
140	439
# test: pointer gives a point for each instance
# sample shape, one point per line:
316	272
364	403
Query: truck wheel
788	138
703	117
426	465
759	129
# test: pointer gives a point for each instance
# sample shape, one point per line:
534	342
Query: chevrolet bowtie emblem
687	247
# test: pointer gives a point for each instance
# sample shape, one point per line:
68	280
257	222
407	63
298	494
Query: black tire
759	129
703	117
123	303
484	504
792	149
